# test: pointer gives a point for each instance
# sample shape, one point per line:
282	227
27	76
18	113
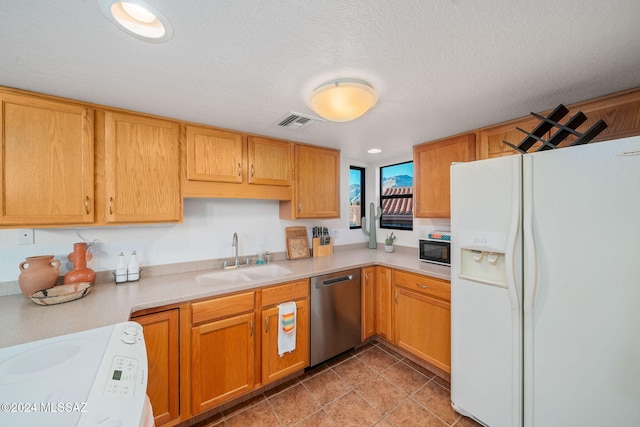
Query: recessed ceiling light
138	19
374	151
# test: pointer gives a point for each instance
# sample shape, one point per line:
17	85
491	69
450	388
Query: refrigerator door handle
511	251
530	262
529	289
514	288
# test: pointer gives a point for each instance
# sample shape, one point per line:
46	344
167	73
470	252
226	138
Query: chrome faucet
235	245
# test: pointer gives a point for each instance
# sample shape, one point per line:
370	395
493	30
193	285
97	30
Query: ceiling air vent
297	121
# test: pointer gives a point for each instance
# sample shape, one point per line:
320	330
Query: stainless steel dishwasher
335	314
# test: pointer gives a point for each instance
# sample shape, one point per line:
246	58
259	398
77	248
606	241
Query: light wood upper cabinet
161	339
141	169
490	139
270	161
213	155
221	163
621	112
46	161
317	184
431	163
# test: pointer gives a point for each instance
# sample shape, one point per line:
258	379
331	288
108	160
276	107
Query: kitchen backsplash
205	234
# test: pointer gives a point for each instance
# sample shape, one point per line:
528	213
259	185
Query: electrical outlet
335	234
26	236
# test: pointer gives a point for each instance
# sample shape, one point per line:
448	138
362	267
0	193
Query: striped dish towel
287	327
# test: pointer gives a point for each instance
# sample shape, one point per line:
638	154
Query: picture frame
298	247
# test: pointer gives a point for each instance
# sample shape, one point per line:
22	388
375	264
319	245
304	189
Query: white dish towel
286	327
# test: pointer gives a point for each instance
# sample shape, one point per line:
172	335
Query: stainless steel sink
242	275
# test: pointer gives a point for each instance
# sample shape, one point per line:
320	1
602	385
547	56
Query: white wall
206	232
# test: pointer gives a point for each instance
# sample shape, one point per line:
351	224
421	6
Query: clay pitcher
38	273
80	272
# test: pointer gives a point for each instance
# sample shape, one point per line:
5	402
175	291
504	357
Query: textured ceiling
440	67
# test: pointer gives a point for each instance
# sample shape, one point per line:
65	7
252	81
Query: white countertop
23	321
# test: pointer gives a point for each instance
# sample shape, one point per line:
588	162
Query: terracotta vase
80	272
38	273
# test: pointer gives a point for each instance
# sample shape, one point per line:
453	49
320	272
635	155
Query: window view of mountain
396	197
354	194
397	181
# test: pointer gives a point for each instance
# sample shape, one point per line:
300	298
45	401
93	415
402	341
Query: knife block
322	250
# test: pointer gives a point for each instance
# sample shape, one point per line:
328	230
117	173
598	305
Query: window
356	196
396	196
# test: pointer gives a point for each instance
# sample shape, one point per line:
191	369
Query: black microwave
436	248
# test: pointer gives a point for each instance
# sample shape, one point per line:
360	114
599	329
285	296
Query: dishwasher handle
336	280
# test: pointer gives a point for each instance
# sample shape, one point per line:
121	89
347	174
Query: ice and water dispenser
482	257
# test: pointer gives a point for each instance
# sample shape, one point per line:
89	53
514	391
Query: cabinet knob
239	169
86	205
110	205
266	324
396	297
422	286
252	171
251	326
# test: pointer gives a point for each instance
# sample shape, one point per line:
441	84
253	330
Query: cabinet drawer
218	308
287	292
427	285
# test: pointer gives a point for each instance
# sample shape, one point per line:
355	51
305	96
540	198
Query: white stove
91	378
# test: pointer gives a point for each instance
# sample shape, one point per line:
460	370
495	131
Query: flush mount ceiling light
138	19
343	100
374	151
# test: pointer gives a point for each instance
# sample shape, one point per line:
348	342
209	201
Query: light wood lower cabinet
368	286
422	317
383	303
222	350
275	366
203	354
161	339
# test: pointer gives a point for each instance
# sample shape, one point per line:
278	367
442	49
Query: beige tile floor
372	385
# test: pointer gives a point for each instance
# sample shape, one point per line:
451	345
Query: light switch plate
26	236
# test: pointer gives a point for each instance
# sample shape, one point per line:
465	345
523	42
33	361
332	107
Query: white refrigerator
545	287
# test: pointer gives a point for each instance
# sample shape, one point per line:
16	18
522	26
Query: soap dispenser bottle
121	269
133	269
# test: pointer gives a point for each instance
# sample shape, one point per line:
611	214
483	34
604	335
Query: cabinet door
368	278
383	303
432	178
317	186
270	162
161	339
274	366
213	155
46	162
490	139
222	361
423	327
142	167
